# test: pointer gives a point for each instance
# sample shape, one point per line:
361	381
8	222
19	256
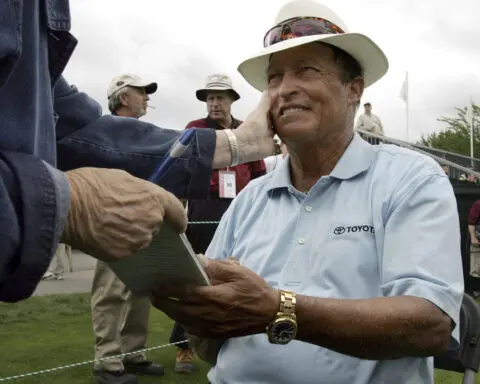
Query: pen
177	150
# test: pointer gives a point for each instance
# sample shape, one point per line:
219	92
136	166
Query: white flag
469	114
404	90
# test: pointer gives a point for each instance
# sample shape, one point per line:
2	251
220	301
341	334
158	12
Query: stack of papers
169	259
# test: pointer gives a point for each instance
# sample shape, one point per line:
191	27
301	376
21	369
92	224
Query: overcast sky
178	43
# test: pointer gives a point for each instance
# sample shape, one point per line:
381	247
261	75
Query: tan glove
113	214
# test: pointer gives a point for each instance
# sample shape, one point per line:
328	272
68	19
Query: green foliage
456	136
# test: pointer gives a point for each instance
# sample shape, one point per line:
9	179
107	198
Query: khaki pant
474	261
120	319
57	265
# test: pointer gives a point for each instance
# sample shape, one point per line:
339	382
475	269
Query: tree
456	136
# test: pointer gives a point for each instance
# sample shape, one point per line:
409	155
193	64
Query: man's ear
124	99
356	87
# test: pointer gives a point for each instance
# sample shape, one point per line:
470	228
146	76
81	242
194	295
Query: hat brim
202	93
149	87
370	57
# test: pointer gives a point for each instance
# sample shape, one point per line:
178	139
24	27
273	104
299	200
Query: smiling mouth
290	111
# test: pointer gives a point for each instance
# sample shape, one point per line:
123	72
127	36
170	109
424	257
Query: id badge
227	184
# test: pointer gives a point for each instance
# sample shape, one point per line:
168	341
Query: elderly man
218	94
349	267
128	95
120	319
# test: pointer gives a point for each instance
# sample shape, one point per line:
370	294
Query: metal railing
459	166
456	158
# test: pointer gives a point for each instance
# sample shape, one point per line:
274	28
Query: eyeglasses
300	27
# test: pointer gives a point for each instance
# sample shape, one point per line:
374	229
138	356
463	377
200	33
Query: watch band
234	150
287	302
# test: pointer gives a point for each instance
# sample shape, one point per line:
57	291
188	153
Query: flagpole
407	106
470	123
404	95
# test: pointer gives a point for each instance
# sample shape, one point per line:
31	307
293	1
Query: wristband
232	141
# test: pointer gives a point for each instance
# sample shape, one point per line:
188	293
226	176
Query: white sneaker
48	276
52	276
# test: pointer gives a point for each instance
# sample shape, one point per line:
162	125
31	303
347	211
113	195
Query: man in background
57	266
474	232
120	319
367	121
281	153
226	183
128	95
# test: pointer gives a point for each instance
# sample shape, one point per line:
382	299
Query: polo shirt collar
355	160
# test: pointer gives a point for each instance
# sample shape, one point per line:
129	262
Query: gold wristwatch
283	327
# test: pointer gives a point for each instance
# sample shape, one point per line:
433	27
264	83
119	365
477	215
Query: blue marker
177	150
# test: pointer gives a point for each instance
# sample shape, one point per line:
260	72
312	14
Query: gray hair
114	102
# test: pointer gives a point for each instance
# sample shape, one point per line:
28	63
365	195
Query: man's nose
288	85
146	98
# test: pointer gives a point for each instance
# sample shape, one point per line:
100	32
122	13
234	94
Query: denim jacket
47	125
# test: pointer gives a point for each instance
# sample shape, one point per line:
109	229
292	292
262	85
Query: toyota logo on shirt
353	229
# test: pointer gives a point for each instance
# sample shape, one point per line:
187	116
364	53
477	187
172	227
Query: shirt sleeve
380	125
190	125
359	122
34	200
87	139
421	250
258	168
474	213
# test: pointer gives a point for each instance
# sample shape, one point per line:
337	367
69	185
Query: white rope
203	222
104	358
87	362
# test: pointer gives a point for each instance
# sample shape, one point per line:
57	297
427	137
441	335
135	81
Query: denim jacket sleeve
86	138
34	199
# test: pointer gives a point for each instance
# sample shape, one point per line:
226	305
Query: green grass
51	331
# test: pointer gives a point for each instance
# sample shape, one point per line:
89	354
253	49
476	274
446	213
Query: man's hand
113	214
238	303
255	134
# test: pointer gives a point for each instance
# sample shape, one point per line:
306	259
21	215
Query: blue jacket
47	124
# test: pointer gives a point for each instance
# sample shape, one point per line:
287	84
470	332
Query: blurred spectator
446	169
219	95
57	266
367	121
273	161
474	232
120	319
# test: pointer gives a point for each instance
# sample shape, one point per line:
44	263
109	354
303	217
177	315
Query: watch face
283	331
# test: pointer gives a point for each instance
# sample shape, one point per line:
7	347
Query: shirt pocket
346	264
61	43
10	37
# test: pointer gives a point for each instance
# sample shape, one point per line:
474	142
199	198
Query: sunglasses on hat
299	27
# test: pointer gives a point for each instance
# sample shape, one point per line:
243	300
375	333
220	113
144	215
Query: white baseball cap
130	80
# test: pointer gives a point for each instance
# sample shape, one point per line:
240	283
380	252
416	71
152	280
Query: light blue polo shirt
383	223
